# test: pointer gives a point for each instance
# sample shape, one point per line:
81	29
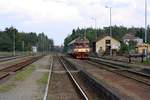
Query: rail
140	77
48	81
75	82
2	59
4	72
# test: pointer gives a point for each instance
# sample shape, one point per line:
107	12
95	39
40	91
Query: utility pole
41	44
110	28
44	43
146	50
23	47
145	21
95	21
110	23
14	44
85	32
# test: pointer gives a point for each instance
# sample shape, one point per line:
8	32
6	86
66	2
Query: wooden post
142	58
129	59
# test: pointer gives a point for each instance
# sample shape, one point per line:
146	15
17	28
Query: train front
81	48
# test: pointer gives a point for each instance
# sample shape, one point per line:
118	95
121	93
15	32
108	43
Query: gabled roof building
131	37
107	43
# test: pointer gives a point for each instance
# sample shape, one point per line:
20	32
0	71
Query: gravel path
28	89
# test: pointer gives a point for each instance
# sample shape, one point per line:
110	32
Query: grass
42	84
147	62
20	76
7	87
24	74
43	80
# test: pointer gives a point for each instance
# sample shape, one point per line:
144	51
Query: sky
57	18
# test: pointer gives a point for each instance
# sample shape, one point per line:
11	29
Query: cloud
61	16
39	10
43	11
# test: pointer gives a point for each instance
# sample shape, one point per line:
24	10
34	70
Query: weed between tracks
43	80
6	87
20	76
42	84
25	73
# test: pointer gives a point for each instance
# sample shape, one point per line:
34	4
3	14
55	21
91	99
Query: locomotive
79	48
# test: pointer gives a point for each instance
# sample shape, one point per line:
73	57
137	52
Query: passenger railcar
79	47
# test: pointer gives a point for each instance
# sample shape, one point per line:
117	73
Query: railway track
118	59
125	68
138	76
120	63
128	84
64	81
138	68
77	85
92	88
2	59
4	72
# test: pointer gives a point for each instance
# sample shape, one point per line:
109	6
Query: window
107	41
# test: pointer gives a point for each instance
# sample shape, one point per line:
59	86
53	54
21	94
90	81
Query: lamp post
145	21
84	32
95	21
23	47
14	44
110	27
41	44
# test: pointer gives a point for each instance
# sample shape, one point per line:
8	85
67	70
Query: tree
124	48
117	32
30	39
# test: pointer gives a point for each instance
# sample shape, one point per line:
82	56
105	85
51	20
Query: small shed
34	49
143	48
107	43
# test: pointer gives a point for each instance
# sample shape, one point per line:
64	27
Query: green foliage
44	43
132	46
25	73
30	39
124	48
6	87
147	62
20	76
117	32
43	80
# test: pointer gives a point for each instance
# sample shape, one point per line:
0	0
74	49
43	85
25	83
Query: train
79	48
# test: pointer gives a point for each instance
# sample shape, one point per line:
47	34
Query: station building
107	43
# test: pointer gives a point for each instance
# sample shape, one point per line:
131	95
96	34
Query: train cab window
77	45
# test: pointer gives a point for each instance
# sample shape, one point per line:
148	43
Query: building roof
79	40
130	36
100	38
